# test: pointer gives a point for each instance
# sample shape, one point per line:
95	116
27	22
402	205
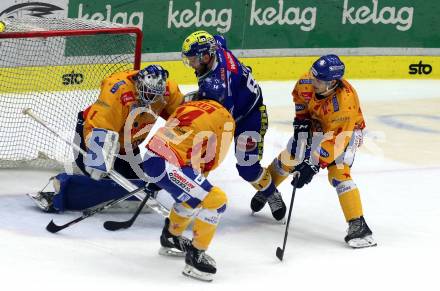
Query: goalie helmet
150	85
328	68
198	44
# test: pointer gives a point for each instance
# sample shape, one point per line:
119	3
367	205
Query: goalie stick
116	225
114	175
280	251
54	228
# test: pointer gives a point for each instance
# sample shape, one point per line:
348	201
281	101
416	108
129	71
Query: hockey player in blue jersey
215	65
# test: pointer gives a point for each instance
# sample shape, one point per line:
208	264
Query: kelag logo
420	68
72	78
132	18
200	17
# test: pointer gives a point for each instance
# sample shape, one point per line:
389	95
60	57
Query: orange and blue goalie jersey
118	109
197	134
336	116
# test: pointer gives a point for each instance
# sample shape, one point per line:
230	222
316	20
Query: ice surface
396	174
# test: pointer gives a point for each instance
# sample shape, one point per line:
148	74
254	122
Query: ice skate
276	204
199	265
44	200
258	202
359	234
171	245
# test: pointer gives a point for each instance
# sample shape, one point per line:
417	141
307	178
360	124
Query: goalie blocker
120	165
102	148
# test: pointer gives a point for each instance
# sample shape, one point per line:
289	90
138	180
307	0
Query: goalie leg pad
78	192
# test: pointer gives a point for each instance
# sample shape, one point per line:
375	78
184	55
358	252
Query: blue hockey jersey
241	92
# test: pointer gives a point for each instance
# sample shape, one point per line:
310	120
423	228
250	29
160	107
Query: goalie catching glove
102	148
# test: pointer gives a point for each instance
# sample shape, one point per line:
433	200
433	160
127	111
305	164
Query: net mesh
57	77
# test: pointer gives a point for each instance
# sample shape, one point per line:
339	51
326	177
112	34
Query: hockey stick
115	176
53	228
280	251
116	225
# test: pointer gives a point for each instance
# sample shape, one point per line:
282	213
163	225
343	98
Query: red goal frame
94	31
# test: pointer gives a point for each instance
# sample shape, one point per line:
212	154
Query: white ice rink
397	173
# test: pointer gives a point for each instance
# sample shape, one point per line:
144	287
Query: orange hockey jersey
197	134
336	116
118	108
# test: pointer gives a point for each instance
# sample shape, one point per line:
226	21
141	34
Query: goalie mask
151	87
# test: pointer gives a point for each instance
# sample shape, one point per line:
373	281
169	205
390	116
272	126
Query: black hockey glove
306	172
301	126
302	137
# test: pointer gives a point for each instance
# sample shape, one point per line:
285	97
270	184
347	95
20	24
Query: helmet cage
151	88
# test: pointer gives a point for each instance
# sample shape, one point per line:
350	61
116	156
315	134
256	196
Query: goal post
55	67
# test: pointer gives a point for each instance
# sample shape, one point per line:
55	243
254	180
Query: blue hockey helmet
328	67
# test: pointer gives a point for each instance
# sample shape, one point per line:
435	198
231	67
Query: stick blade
53	228
280	253
116	225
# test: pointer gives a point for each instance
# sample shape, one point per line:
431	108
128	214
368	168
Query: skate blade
192	272
169	252
282	221
365	242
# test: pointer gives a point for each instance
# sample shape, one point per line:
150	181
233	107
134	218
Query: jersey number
252	85
187	118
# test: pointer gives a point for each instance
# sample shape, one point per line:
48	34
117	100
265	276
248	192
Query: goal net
55	67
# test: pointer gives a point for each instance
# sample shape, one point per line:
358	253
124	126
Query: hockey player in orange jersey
129	104
327	107
127	107
179	156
